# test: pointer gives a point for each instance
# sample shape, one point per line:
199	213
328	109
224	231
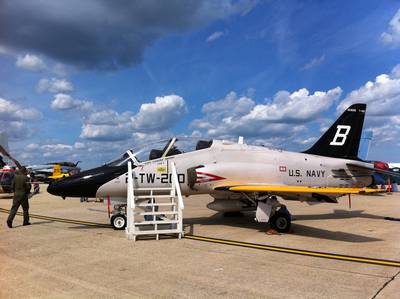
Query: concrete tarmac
60	260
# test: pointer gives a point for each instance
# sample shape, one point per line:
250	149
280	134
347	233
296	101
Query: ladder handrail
176	185
130	201
132	157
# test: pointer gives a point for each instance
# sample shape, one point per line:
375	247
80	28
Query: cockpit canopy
163	148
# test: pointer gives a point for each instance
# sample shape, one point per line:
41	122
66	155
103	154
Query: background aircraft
44	173
6	177
54	170
6	172
240	177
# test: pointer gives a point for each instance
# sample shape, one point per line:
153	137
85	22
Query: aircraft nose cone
60	188
54	188
75	186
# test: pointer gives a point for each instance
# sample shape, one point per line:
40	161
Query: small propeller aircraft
240	177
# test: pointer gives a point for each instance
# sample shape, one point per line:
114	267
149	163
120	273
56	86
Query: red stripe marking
208	177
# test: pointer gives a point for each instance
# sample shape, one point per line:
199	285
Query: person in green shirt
21	187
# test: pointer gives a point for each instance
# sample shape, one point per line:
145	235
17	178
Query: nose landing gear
118	218
118	221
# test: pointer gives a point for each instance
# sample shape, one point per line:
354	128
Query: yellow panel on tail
57	174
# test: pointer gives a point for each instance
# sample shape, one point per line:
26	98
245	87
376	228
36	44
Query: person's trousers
25	207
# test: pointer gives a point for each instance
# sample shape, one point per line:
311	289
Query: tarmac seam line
385	285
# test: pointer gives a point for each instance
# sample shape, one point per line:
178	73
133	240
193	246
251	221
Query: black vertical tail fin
342	139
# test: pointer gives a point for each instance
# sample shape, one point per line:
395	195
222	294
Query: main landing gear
270	210
281	220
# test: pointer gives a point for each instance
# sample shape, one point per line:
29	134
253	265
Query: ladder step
161	204
156	232
156	222
157	213
154	189
153	196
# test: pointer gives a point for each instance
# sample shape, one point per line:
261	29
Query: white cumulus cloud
106	132
298	106
381	95
392	36
232	104
54	85
164	113
30	62
108	117
151	119
283	115
63	101
107	125
15	120
12	111
57	147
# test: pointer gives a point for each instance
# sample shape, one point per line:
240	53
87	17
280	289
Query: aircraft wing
387	172
296	189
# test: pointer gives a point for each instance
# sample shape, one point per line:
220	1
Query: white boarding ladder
154	211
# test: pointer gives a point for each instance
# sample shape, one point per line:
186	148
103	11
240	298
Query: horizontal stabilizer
378	170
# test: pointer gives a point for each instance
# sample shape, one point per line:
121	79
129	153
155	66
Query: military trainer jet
239	176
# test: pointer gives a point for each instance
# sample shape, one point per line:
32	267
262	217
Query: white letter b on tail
341	135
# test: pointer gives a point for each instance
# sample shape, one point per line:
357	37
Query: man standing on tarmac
21	187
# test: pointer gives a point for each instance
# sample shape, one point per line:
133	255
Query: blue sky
85	81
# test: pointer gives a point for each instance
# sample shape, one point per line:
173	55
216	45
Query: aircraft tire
281	222
118	221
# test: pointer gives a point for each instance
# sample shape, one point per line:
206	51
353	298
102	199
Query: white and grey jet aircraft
240	177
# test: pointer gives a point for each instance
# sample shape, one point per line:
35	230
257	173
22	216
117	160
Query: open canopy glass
163	148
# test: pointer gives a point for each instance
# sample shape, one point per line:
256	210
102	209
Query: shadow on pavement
247	221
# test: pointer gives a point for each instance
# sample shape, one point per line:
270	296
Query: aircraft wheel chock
281	222
118	221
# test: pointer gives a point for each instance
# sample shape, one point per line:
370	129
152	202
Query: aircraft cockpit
163	148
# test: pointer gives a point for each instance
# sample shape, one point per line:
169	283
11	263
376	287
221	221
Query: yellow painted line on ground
298	251
327	255
57	219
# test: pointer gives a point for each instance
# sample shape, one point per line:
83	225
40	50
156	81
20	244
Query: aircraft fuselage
230	164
